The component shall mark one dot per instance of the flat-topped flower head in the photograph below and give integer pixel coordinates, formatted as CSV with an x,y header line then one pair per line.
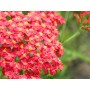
x,y
29,43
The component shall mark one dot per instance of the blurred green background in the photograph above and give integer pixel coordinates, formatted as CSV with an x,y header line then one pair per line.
x,y
76,45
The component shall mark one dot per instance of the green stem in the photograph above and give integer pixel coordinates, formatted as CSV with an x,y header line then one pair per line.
x,y
64,26
70,38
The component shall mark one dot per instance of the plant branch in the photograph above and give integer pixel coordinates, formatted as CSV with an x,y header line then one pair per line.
x,y
64,26
70,38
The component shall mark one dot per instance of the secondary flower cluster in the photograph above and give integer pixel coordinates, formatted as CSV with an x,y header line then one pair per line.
x,y
84,19
29,44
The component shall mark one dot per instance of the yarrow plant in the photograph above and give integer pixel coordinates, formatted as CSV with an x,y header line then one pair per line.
x,y
29,44
84,19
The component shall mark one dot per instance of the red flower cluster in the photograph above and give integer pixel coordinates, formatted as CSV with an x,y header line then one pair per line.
x,y
84,19
28,43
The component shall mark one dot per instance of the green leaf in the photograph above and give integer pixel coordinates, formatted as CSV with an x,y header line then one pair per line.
x,y
37,50
0,45
31,55
17,59
45,76
71,54
25,42
25,12
22,71
8,17
61,74
42,41
7,28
